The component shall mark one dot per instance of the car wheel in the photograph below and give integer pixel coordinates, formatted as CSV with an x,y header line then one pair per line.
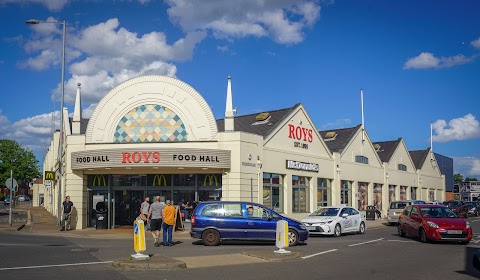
x,y
361,229
423,236
292,237
337,231
400,231
210,237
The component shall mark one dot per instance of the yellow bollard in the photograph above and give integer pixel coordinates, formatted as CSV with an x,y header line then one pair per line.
x,y
139,240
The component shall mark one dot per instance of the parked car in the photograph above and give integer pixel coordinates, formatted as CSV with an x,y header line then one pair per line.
x,y
226,220
433,222
396,209
473,208
458,207
335,221
6,201
22,198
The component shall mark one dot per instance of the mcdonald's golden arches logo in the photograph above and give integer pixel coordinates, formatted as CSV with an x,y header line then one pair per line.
x,y
49,176
99,180
211,179
158,180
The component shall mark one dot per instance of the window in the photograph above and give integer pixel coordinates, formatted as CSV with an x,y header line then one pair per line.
x,y
361,159
300,187
273,191
256,212
232,210
345,197
354,212
407,210
323,192
362,195
403,193
377,195
414,211
402,167
391,193
413,193
211,210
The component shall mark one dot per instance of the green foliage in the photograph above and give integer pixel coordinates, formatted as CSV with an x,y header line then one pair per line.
x,y
457,178
468,179
21,160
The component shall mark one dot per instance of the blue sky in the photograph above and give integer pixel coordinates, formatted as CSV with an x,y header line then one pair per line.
x,y
417,62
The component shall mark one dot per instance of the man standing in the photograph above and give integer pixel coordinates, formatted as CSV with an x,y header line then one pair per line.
x,y
155,218
67,207
144,208
168,223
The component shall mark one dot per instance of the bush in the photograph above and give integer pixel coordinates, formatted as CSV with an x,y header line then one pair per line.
x,y
2,197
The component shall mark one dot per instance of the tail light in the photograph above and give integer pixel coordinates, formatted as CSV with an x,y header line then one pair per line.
x,y
193,220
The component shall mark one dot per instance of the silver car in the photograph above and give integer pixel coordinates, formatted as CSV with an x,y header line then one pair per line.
x,y
396,209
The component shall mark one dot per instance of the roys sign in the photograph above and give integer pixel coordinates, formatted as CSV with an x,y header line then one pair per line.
x,y
184,157
300,133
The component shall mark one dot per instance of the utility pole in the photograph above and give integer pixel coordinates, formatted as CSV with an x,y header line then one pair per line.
x,y
11,198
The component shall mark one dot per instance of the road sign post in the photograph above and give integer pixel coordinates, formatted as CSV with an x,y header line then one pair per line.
x,y
12,185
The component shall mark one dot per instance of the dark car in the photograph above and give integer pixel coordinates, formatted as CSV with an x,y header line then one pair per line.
x,y
458,207
226,220
473,208
433,222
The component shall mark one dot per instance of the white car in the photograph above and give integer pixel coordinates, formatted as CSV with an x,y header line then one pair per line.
x,y
335,220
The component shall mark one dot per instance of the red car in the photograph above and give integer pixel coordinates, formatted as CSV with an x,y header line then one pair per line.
x,y
433,222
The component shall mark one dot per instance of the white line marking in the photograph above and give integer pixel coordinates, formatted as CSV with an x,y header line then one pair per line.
x,y
475,221
321,253
52,265
476,241
366,242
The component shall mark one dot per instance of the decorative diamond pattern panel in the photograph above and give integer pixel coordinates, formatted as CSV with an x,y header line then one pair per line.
x,y
150,123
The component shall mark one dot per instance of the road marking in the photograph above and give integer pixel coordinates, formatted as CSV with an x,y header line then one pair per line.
x,y
351,245
409,241
475,221
52,265
321,253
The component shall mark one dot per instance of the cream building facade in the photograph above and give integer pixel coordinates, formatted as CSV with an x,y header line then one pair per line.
x,y
156,135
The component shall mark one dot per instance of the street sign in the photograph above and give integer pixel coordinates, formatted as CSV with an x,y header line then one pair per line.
x,y
48,185
11,184
50,175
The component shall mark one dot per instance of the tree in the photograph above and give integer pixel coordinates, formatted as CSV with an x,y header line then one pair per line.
x,y
468,179
457,178
21,161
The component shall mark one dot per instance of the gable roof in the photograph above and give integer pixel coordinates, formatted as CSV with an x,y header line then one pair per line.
x,y
342,138
83,125
244,123
387,148
419,157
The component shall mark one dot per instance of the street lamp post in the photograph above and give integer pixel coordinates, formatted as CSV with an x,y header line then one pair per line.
x,y
60,146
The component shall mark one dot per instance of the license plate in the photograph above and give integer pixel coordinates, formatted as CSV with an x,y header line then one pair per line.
x,y
311,228
454,232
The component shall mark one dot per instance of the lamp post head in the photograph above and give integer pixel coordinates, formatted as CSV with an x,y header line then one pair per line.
x,y
32,21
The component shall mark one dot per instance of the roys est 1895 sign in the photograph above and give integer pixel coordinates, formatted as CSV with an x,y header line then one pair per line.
x,y
301,134
185,157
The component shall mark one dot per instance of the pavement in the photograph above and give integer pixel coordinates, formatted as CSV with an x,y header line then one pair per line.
x,y
40,222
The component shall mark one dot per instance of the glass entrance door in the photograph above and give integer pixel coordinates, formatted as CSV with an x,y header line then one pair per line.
x,y
127,206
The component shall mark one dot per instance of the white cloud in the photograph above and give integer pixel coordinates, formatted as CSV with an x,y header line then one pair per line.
x,y
476,43
467,166
105,55
281,20
87,112
52,5
463,128
427,60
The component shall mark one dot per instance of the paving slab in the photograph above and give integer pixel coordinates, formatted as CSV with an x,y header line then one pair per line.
x,y
272,256
219,260
155,263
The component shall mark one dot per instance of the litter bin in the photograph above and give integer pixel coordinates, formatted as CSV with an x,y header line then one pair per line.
x,y
370,215
101,220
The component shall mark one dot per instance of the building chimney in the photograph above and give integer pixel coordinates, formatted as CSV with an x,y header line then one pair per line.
x,y
229,121
77,112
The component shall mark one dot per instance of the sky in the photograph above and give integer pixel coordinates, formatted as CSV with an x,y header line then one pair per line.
x,y
417,62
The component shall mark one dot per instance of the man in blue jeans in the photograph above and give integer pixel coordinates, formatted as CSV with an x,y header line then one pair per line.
x,y
168,223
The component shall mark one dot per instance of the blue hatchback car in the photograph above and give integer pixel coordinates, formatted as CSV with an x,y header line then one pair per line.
x,y
227,220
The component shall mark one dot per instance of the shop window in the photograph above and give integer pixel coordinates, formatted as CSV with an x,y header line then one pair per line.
x,y
431,195
129,180
413,193
150,123
361,159
377,194
300,194
391,193
181,180
273,191
403,193
323,192
159,180
362,196
345,192
97,180
209,187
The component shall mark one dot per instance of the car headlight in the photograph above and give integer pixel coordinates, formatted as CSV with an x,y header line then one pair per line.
x,y
326,222
302,226
432,224
468,225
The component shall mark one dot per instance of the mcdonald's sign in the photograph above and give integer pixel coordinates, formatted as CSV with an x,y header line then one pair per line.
x,y
49,176
210,179
158,180
99,180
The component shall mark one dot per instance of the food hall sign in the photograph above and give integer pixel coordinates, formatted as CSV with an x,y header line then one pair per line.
x,y
114,158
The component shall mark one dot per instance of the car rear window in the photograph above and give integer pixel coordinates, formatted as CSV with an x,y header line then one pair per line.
x,y
211,210
399,204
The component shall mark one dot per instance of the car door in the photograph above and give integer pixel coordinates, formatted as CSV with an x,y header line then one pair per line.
x,y
231,224
356,218
260,224
347,221
414,224
404,219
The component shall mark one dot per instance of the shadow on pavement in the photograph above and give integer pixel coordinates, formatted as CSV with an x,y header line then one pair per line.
x,y
472,262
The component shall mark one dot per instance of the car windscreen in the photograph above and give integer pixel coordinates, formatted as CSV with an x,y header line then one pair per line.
x,y
437,212
326,212
452,203
399,204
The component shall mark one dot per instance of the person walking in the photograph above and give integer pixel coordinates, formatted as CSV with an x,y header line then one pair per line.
x,y
155,218
377,210
67,208
144,209
168,223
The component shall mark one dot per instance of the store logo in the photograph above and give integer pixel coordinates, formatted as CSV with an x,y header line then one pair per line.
x,y
137,157
49,176
159,179
300,133
99,180
297,165
211,178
